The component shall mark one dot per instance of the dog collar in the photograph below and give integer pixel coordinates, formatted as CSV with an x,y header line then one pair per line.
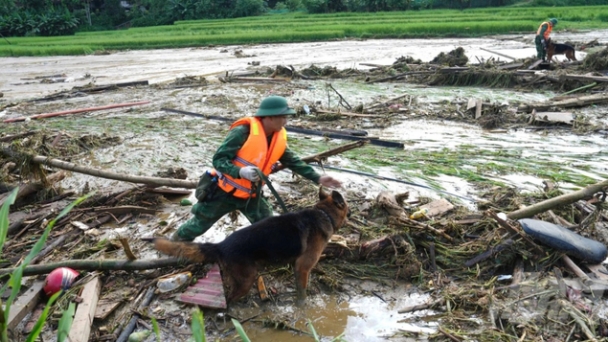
x,y
331,220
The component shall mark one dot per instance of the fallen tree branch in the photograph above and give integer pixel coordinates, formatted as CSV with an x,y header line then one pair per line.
x,y
551,203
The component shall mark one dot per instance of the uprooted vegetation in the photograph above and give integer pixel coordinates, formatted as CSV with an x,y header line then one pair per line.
x,y
458,256
380,241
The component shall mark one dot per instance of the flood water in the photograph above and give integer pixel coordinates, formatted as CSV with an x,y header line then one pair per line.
x,y
155,140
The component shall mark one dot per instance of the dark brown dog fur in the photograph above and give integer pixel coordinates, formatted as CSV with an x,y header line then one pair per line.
x,y
559,49
298,237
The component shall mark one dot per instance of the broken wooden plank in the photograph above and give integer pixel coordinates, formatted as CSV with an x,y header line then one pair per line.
x,y
25,304
510,66
471,104
560,117
498,53
534,65
85,312
478,109
105,307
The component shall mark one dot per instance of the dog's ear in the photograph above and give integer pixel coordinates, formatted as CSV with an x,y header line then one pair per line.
x,y
338,199
322,194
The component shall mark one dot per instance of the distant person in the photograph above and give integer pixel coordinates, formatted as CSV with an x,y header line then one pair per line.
x,y
542,35
253,144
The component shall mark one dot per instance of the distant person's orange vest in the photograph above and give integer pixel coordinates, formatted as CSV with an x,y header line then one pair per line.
x,y
547,32
255,152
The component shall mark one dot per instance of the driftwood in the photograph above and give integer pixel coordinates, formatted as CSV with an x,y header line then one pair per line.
x,y
580,101
584,78
387,101
34,187
551,203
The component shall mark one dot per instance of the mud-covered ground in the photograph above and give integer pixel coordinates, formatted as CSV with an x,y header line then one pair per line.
x,y
153,139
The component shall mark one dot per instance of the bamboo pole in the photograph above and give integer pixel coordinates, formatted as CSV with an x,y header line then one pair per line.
x,y
159,181
93,265
551,203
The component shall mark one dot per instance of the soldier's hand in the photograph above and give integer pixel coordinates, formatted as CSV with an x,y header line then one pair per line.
x,y
330,182
249,173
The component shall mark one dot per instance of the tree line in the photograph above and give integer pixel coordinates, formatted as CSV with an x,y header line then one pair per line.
x,y
65,17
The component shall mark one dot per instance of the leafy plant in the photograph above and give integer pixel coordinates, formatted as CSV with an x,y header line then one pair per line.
x,y
14,281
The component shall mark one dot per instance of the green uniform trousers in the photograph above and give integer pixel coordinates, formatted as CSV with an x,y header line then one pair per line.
x,y
541,53
208,212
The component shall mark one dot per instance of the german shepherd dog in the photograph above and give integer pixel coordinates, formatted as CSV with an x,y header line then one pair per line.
x,y
559,49
298,237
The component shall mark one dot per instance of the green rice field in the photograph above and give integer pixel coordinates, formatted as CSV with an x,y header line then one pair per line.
x,y
300,27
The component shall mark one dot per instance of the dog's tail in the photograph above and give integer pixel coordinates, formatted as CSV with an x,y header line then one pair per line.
x,y
196,252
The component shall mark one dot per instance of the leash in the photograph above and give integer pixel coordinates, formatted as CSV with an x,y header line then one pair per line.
x,y
274,192
394,180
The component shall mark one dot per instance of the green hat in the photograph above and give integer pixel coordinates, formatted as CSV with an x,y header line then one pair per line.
x,y
553,21
274,106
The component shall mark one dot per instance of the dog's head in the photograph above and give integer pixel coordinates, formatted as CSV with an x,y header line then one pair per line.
x,y
334,205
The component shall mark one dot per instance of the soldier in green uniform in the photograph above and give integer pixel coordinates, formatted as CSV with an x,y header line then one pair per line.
x,y
237,174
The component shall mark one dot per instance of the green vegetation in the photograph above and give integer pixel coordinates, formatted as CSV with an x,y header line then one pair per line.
x,y
298,27
14,280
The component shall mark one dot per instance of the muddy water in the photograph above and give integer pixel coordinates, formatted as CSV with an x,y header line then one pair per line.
x,y
155,140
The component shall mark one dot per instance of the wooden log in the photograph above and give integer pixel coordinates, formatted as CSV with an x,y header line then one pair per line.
x,y
580,101
584,78
76,111
85,313
551,203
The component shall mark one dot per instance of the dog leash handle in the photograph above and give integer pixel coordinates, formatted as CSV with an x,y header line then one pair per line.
x,y
274,192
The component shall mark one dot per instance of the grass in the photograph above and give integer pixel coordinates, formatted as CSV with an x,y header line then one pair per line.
x,y
300,27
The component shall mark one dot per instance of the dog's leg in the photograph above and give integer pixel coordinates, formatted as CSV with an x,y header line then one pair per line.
x,y
242,277
304,264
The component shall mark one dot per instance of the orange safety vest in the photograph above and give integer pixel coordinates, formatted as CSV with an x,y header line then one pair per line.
x,y
254,152
547,32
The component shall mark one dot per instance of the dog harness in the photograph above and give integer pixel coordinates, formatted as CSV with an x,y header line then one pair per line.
x,y
254,152
548,30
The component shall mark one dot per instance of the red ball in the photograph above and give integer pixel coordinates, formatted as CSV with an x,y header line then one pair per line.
x,y
59,279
